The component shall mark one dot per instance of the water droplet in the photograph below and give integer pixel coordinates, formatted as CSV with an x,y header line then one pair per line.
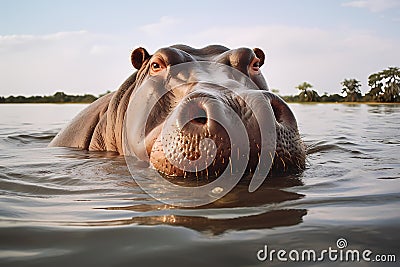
x,y
217,190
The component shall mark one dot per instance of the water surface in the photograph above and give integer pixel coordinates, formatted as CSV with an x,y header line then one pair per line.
x,y
63,206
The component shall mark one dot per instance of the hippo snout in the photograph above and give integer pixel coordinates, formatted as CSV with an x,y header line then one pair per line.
x,y
204,116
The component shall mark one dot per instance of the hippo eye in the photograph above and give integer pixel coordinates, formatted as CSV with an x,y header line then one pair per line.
x,y
157,65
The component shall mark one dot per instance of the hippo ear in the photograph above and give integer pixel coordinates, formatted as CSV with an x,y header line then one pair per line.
x,y
260,55
139,55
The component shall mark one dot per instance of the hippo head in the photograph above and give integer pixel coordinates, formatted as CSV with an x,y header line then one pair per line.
x,y
183,114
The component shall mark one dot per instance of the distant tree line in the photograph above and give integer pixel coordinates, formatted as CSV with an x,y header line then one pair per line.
x,y
385,87
58,97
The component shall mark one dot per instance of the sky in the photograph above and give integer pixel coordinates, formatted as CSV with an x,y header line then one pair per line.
x,y
84,46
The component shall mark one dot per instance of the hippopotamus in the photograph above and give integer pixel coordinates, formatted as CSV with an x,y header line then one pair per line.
x,y
100,126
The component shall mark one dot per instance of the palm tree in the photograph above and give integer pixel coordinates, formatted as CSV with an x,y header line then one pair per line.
x,y
306,93
392,88
376,84
392,74
304,86
352,89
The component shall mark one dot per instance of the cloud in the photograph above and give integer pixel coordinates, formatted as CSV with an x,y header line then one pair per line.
x,y
164,25
14,42
373,5
75,62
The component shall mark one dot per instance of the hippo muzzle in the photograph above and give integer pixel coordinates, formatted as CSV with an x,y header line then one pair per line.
x,y
197,113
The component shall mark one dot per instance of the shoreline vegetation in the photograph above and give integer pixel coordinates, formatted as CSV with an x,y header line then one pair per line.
x,y
384,88
57,98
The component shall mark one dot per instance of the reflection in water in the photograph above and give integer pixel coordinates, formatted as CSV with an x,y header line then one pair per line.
x,y
383,108
266,217
265,220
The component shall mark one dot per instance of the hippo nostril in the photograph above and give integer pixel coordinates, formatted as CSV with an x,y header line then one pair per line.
x,y
192,113
200,116
201,120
